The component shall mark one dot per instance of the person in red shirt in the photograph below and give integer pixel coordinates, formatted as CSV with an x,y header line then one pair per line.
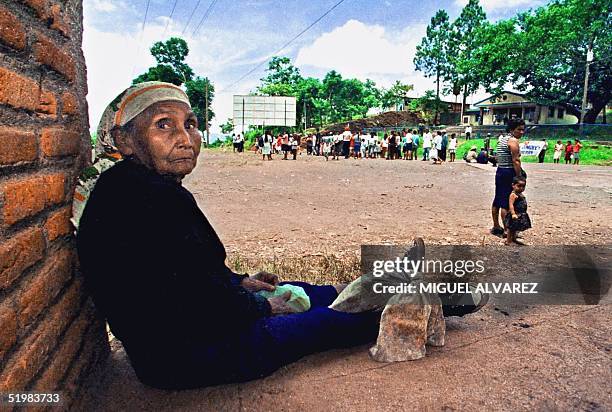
x,y
577,147
569,150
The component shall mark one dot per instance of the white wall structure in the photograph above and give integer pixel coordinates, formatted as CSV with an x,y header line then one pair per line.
x,y
264,111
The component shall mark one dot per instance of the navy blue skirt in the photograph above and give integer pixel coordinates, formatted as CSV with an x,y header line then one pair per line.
x,y
503,187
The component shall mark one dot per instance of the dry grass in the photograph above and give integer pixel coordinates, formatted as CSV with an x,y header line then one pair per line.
x,y
318,269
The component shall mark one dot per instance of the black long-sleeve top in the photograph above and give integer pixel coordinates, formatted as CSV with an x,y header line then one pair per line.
x,y
154,264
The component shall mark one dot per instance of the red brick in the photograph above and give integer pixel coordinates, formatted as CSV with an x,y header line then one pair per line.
x,y
43,289
47,53
58,223
59,142
18,91
58,22
63,358
47,104
19,253
51,14
12,32
8,331
70,104
27,197
17,145
22,92
34,350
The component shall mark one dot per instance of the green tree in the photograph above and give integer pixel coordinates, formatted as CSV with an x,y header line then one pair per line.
x,y
228,126
462,43
196,90
171,67
543,52
432,54
428,106
395,95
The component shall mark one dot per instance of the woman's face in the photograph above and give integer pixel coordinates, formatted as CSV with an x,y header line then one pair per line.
x,y
167,139
518,132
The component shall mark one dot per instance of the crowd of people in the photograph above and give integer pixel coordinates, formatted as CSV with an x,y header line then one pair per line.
x,y
407,144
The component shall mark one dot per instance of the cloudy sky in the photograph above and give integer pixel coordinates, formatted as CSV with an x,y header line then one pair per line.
x,y
373,39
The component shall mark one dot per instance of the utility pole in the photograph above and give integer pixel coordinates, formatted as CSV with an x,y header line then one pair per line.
x,y
589,59
206,112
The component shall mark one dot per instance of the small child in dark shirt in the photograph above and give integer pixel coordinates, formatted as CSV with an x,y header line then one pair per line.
x,y
517,218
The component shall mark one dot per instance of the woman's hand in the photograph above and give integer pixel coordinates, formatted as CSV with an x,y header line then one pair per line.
x,y
279,304
514,216
260,281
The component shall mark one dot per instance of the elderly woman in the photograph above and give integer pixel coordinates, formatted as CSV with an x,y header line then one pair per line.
x,y
156,268
185,319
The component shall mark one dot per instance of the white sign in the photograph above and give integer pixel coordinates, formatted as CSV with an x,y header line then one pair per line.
x,y
531,147
264,110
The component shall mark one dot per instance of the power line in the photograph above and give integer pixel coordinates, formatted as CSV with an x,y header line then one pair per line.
x,y
144,23
206,13
170,17
191,16
284,45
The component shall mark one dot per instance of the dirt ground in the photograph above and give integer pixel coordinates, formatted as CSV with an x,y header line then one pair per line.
x,y
505,357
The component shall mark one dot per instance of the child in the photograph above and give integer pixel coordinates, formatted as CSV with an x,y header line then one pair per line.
x,y
517,219
577,147
326,148
558,150
569,152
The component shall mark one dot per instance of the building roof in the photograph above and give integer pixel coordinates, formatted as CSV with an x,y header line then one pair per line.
x,y
499,94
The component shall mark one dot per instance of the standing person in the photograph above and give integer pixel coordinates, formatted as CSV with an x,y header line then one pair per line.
x,y
266,149
437,146
294,146
317,143
241,142
337,149
391,146
508,166
569,152
452,147
426,144
408,146
357,145
384,146
517,219
286,147
234,143
346,141
543,152
558,151
398,145
327,145
309,145
415,145
576,149
444,146
468,132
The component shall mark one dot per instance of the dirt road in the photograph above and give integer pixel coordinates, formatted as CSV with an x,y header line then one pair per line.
x,y
505,357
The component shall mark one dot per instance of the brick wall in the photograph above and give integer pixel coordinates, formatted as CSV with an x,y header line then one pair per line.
x,y
50,335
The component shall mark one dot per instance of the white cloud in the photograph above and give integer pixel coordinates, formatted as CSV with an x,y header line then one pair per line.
x,y
492,5
359,50
105,6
